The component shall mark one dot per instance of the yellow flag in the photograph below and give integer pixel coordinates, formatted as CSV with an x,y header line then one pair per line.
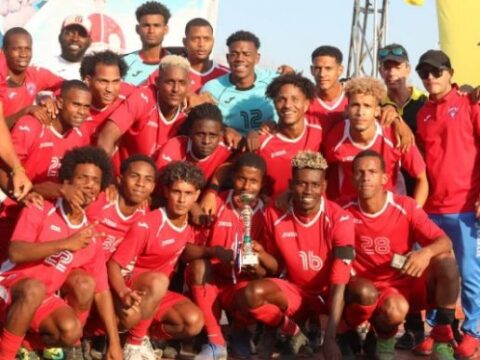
x,y
415,2
460,38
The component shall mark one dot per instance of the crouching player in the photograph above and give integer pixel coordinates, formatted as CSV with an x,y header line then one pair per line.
x,y
313,244
212,274
54,248
390,277
149,253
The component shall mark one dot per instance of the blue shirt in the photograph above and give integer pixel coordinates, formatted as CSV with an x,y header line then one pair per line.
x,y
138,70
243,110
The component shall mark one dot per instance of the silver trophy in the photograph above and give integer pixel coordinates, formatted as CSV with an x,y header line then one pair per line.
x,y
247,256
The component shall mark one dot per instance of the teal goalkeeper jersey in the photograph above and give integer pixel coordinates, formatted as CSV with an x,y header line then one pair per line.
x,y
243,110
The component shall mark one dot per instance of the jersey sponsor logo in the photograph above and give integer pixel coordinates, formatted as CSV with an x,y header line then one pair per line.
x,y
225,223
55,228
166,157
379,245
47,144
229,100
310,261
60,260
344,218
278,153
109,222
452,112
289,234
357,221
152,123
143,225
426,118
24,128
54,167
144,97
136,73
12,95
168,242
348,158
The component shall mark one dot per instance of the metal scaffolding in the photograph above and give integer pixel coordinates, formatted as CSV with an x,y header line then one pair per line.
x,y
368,34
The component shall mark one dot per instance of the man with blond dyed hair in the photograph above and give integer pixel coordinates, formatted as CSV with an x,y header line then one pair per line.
x,y
313,245
361,131
151,115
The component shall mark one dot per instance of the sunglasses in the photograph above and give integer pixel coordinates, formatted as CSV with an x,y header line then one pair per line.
x,y
425,72
383,53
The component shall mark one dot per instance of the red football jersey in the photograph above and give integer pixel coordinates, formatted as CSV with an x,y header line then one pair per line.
x,y
98,116
305,246
50,223
197,79
180,148
112,222
278,152
340,149
37,79
153,243
327,115
41,148
449,131
228,229
392,230
143,125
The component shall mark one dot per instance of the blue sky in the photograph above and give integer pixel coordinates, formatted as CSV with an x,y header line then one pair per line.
x,y
290,29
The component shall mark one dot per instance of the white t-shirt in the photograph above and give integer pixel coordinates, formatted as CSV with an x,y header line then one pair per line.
x,y
61,67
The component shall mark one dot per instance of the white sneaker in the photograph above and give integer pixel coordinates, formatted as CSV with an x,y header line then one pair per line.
x,y
139,352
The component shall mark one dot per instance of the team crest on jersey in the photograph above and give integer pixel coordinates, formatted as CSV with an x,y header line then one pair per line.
x,y
31,88
452,112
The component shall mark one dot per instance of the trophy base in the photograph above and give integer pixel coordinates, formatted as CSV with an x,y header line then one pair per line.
x,y
249,260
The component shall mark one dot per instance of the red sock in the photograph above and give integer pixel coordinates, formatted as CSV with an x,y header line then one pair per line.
x,y
442,333
355,314
205,297
9,345
268,314
138,332
288,326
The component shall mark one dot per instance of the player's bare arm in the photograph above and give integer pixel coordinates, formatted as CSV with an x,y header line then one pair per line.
x,y
24,251
418,261
108,137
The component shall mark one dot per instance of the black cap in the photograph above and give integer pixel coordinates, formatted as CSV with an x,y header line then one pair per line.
x,y
436,58
393,52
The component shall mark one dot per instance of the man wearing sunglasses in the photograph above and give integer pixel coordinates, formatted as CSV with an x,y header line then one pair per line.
x,y
448,127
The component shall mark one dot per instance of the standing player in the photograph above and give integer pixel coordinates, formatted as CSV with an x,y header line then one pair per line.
x,y
203,146
23,82
448,125
151,115
361,131
154,244
152,18
103,73
49,245
241,94
327,108
212,274
386,227
313,244
74,39
291,95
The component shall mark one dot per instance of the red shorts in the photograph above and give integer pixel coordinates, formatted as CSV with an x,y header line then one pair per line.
x,y
300,302
414,290
46,308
